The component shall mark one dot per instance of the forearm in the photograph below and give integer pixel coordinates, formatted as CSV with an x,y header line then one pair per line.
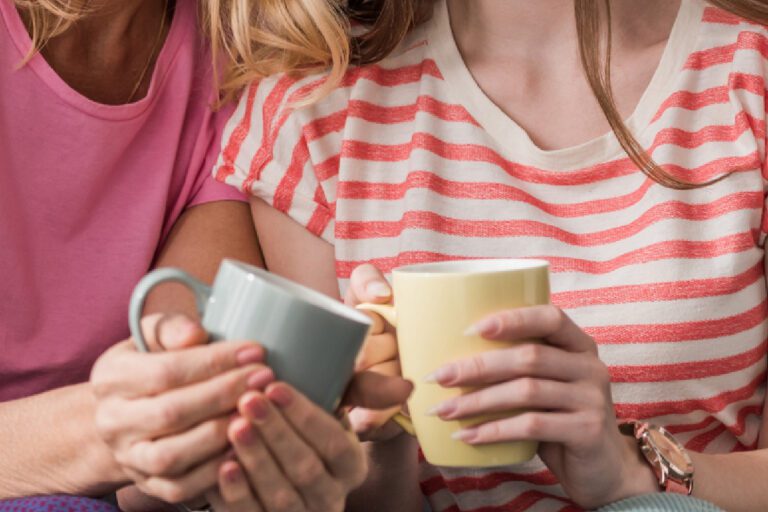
x,y
50,445
392,482
733,481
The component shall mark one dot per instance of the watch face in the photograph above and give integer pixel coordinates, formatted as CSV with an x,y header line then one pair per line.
x,y
671,451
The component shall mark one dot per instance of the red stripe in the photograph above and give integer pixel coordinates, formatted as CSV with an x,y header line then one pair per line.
x,y
683,331
390,77
657,292
715,133
690,370
716,95
701,441
237,137
711,405
737,429
327,169
715,15
724,54
485,482
427,220
676,249
522,501
286,190
478,153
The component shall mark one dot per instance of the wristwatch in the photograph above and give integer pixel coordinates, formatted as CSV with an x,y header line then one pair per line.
x,y
667,457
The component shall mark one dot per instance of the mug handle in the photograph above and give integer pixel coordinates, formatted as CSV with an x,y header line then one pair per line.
x,y
389,314
147,283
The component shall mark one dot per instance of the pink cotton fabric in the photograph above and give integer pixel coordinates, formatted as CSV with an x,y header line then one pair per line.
x,y
88,193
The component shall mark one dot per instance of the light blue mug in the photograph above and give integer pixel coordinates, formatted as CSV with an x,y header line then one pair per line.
x,y
311,340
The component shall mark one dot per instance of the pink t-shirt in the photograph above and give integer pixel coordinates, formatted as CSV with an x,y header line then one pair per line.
x,y
88,193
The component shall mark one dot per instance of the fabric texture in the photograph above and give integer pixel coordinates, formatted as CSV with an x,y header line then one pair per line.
x,y
56,503
661,502
88,193
407,161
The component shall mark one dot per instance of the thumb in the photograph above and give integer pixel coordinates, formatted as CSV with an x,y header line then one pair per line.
x,y
172,332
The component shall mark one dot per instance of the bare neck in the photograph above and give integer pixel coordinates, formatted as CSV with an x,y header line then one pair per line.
x,y
103,55
541,27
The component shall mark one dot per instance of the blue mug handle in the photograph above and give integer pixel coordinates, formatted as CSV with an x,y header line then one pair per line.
x,y
147,283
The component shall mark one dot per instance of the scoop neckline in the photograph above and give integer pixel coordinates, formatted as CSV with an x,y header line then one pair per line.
x,y
182,16
514,139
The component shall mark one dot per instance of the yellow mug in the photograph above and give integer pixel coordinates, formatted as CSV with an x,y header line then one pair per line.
x,y
434,304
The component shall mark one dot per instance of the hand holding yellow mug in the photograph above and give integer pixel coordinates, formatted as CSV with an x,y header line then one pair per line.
x,y
435,303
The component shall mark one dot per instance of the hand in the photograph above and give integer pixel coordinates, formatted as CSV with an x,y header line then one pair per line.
x,y
566,390
289,456
379,354
165,414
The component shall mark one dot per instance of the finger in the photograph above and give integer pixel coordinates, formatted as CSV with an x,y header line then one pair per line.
x,y
525,393
235,491
364,421
525,360
298,460
173,455
180,409
130,374
332,446
546,321
272,488
375,391
174,331
193,484
377,349
367,284
216,502
552,427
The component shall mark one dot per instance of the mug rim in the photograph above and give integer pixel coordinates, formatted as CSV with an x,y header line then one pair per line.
x,y
472,266
298,291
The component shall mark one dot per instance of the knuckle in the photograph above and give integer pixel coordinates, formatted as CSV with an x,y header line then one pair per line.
x,y
168,415
284,500
106,424
529,389
593,425
476,366
159,461
308,472
553,317
530,424
160,375
529,357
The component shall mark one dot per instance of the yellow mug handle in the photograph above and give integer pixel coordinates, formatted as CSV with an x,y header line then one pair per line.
x,y
388,313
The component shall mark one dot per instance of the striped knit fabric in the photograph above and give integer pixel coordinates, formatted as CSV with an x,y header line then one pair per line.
x,y
407,161
661,503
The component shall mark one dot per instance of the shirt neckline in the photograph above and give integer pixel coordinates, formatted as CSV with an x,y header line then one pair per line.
x,y
184,15
514,139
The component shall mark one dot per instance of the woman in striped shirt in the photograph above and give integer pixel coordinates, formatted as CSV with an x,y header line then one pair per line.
x,y
479,135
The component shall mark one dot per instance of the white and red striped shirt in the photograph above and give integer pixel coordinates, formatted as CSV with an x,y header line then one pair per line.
x,y
407,161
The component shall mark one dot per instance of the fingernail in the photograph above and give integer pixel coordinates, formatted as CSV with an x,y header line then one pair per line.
x,y
443,409
466,435
249,355
232,473
260,378
257,409
281,396
443,375
485,327
245,435
378,289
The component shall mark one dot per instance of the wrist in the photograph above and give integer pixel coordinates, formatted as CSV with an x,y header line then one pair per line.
x,y
639,477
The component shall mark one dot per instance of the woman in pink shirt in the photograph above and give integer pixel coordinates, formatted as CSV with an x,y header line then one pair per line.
x,y
107,138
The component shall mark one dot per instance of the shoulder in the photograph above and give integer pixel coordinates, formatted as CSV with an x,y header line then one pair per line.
x,y
278,101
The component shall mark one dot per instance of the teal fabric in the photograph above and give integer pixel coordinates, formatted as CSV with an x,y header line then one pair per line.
x,y
661,502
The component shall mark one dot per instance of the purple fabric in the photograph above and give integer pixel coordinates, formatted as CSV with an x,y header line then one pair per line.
x,y
56,503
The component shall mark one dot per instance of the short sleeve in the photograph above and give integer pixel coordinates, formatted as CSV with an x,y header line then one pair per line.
x,y
286,155
205,189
